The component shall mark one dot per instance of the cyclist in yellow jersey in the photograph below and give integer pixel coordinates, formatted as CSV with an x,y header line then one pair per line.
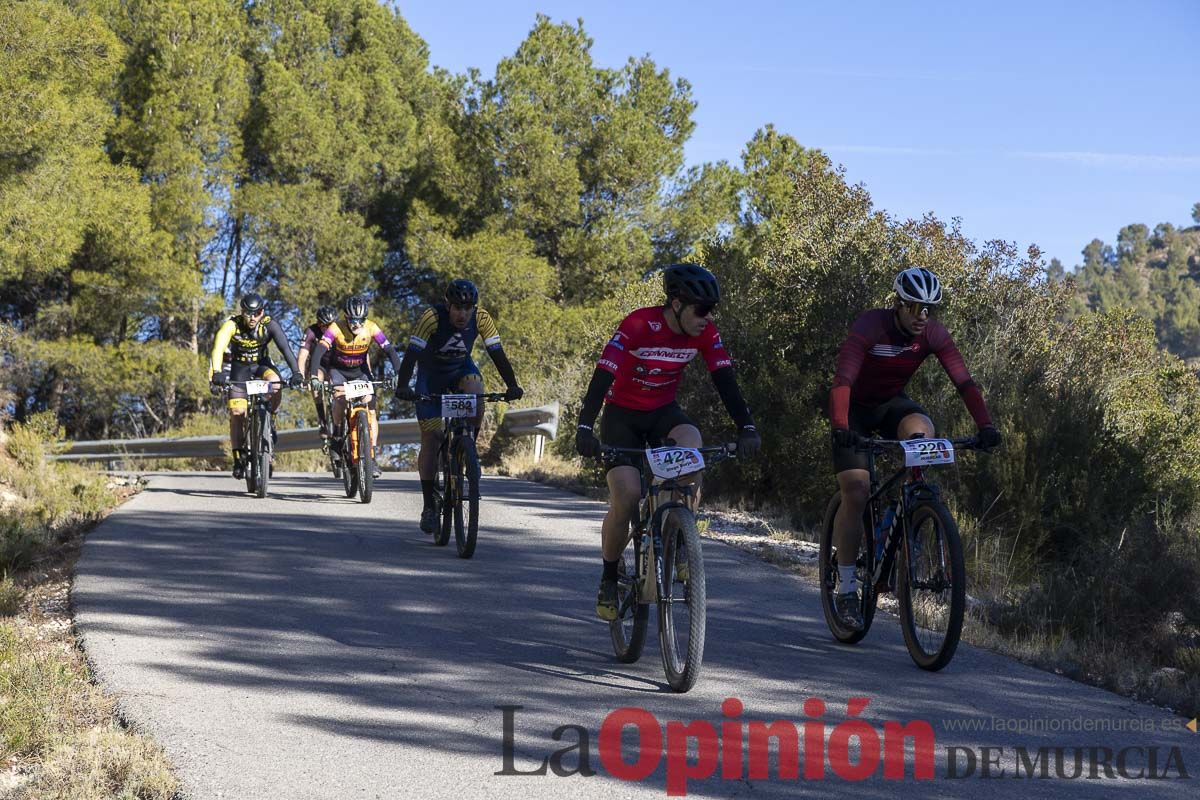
x,y
247,336
349,347
440,349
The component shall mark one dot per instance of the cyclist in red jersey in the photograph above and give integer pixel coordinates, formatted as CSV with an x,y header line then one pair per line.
x,y
638,375
885,348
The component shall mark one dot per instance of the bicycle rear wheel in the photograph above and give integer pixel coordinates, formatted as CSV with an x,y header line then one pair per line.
x,y
933,593
865,563
366,461
349,472
682,605
466,510
628,630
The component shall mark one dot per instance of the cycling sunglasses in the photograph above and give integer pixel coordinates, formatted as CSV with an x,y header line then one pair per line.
x,y
702,310
916,308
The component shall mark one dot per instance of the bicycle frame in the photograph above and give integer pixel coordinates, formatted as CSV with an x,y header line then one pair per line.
x,y
652,510
354,407
915,488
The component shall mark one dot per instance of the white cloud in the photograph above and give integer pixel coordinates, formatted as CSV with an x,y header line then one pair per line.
x,y
1123,160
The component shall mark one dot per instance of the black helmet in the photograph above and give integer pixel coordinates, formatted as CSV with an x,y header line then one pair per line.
x,y
356,309
253,303
462,293
326,315
692,284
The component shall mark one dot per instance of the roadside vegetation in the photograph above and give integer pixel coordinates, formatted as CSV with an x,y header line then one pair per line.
x,y
60,737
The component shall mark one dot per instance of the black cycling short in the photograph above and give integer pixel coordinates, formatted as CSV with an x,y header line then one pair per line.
x,y
242,371
340,375
624,427
883,419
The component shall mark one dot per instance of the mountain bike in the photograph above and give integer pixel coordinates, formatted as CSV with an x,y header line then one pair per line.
x,y
257,436
458,469
663,562
354,452
910,547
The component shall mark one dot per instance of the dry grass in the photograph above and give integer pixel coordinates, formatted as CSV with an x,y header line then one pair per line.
x,y
59,734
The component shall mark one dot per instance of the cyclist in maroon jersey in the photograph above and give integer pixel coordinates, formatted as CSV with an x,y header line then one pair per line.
x,y
638,374
885,348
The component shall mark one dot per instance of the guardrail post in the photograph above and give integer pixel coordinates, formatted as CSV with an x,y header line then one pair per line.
x,y
539,447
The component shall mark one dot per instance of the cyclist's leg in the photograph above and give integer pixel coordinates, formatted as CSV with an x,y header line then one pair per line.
x,y
268,373
238,374
915,425
429,417
470,381
620,427
624,492
672,423
337,378
318,401
854,483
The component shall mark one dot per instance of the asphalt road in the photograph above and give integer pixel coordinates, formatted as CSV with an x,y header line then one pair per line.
x,y
308,646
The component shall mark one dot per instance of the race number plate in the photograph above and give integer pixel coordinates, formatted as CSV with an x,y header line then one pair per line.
x,y
672,462
355,389
928,452
458,405
257,387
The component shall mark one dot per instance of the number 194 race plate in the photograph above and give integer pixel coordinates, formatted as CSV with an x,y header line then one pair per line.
x,y
355,389
458,405
672,462
928,452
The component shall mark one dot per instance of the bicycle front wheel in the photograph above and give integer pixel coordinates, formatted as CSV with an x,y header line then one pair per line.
x,y
450,490
682,601
366,461
466,510
264,452
828,559
628,630
932,586
250,451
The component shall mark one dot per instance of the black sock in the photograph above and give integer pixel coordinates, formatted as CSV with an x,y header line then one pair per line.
x,y
610,569
428,488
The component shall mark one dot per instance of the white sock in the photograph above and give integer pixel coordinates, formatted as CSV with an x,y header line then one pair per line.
x,y
849,580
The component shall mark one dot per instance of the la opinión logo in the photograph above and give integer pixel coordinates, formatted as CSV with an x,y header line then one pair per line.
x,y
738,748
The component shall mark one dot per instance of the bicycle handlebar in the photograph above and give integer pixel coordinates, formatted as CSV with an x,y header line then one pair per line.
x,y
721,451
487,397
884,445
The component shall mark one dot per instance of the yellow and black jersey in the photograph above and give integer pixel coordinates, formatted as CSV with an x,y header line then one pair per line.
x,y
248,344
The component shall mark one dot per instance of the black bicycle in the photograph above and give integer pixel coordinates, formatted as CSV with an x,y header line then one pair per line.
x,y
257,438
663,562
458,469
910,546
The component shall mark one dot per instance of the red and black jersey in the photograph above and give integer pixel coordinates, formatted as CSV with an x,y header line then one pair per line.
x,y
648,359
878,359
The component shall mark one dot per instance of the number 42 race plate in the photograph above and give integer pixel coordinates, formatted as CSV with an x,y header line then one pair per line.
x,y
928,452
672,462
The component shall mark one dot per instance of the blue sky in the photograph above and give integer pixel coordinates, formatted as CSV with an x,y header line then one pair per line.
x,y
1050,123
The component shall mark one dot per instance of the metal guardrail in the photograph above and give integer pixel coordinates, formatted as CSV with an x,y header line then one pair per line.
x,y
539,422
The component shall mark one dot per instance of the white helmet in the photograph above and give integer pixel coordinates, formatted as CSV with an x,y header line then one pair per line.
x,y
918,285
